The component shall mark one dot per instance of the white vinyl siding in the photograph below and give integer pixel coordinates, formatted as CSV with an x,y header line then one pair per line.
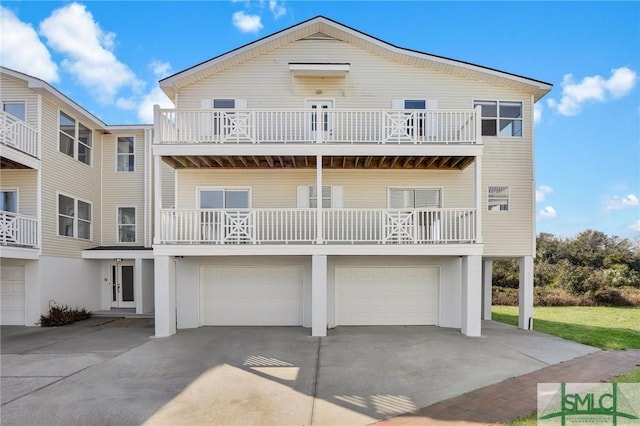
x,y
122,189
65,175
357,188
17,92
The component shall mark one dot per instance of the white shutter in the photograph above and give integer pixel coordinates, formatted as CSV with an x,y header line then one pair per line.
x,y
205,104
431,123
432,104
303,197
336,197
241,104
397,104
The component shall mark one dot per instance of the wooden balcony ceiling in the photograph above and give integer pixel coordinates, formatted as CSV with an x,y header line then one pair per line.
x,y
6,164
329,162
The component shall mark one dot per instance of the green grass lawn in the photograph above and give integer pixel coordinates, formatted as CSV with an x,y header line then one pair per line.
x,y
604,327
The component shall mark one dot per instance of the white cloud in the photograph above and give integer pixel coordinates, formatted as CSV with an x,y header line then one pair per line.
x,y
619,203
277,8
594,88
23,50
160,69
635,226
547,213
88,50
247,23
542,192
537,113
155,97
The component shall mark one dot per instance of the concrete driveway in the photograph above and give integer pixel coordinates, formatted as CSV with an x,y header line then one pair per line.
x,y
105,372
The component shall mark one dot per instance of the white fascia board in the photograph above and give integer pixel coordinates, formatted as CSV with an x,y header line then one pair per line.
x,y
129,127
319,69
19,157
117,254
311,249
319,149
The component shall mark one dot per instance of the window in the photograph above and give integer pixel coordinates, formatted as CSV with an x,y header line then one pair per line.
x,y
126,224
17,109
9,201
224,103
498,199
126,155
75,139
224,199
415,198
326,197
501,118
74,218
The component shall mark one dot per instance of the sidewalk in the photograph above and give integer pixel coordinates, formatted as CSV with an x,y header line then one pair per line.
x,y
516,397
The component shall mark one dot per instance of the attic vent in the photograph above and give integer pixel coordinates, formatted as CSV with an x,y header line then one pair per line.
x,y
319,36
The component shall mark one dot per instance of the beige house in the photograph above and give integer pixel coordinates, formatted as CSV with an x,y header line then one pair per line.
x,y
316,177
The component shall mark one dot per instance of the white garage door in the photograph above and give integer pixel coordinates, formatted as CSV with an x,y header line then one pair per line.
x,y
387,295
248,295
12,295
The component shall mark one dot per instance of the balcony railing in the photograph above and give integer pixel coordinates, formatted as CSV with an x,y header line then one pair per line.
x,y
18,230
334,126
18,134
340,226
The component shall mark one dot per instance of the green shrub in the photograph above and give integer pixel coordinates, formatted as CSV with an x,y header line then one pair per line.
x,y
62,316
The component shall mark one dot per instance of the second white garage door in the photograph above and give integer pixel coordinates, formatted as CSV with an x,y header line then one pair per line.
x,y
247,295
387,295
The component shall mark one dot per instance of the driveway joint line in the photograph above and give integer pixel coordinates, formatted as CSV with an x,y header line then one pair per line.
x,y
315,381
44,386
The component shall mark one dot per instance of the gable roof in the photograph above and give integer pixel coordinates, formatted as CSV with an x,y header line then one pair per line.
x,y
321,26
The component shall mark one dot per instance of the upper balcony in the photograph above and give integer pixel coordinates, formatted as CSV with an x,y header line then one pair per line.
x,y
19,144
318,126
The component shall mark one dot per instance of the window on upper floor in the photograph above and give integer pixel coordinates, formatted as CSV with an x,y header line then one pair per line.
x,y
501,118
224,103
126,154
75,139
74,218
498,198
126,224
16,108
9,201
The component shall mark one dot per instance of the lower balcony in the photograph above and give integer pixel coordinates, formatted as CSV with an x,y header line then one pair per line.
x,y
300,226
18,235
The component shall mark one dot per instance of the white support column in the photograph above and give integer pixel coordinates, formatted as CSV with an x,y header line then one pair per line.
x,y
525,293
487,283
157,199
165,296
319,295
471,296
137,284
479,192
319,225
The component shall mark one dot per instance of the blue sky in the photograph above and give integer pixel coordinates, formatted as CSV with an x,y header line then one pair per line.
x,y
108,57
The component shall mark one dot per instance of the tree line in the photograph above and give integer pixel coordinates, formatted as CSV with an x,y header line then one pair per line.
x,y
590,268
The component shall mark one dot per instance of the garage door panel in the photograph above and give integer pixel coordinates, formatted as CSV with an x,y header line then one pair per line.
x,y
12,295
386,295
248,295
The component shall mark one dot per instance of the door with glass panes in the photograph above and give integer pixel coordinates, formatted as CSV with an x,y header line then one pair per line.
x,y
323,116
122,286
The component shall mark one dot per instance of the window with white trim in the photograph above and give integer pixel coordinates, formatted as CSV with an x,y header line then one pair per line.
x,y
501,118
9,201
331,197
74,218
126,224
126,153
16,108
75,139
326,197
224,198
498,198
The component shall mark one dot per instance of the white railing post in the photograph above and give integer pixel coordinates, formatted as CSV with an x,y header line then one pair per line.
x,y
478,122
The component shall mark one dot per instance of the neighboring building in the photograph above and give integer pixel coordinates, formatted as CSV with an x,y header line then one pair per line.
x,y
316,177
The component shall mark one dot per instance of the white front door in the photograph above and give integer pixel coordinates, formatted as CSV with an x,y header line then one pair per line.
x,y
122,288
323,106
